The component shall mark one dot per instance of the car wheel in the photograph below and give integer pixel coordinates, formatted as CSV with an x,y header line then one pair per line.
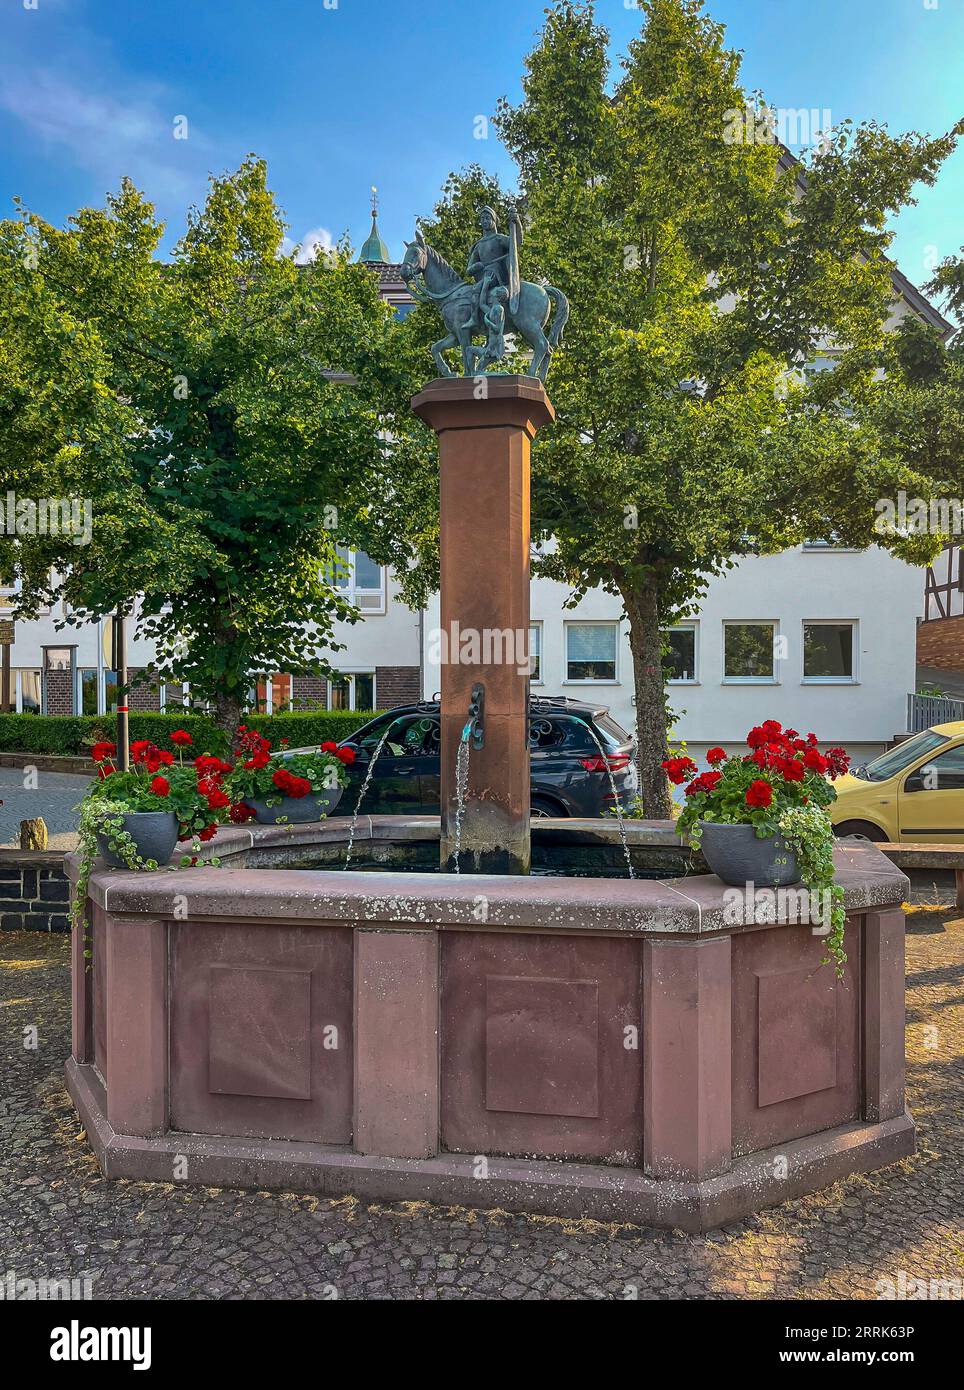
x,y
542,808
860,827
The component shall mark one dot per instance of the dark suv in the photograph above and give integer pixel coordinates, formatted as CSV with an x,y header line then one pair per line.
x,y
570,776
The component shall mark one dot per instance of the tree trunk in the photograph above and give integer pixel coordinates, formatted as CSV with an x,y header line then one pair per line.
x,y
646,645
227,714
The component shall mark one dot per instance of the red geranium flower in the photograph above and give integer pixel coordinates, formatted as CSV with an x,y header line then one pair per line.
x,y
716,755
793,770
241,812
181,737
160,786
100,751
329,747
346,755
678,770
208,833
759,793
218,799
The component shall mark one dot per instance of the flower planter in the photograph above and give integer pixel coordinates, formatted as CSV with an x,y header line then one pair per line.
x,y
154,834
738,856
292,810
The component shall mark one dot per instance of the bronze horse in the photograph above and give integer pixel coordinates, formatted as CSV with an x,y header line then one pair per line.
x,y
432,280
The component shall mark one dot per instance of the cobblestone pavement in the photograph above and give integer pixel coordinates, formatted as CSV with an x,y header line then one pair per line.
x,y
59,1218
54,797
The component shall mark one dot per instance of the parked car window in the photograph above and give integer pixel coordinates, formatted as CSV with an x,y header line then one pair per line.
x,y
896,759
943,773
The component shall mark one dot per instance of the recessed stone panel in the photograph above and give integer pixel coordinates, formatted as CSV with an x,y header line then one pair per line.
x,y
261,1030
541,1053
542,1045
797,1022
258,1033
796,1036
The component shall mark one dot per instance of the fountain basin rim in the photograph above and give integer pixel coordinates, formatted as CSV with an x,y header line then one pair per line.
x,y
694,905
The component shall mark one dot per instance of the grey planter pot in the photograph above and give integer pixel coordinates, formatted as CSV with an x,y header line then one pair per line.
x,y
153,832
737,856
296,810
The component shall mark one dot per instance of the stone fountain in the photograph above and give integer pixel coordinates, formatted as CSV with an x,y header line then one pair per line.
x,y
603,1047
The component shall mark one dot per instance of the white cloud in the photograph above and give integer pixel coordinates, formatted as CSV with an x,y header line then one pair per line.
x,y
105,136
319,239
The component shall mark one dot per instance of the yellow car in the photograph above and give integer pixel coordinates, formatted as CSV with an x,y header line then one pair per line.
x,y
912,792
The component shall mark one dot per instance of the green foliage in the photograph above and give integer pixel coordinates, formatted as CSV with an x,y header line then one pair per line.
x,y
703,273
310,728
807,830
74,736
193,401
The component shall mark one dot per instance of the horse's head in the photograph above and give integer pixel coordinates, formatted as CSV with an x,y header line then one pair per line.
x,y
415,258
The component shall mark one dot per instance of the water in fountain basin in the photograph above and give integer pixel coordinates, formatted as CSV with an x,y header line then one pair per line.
x,y
616,802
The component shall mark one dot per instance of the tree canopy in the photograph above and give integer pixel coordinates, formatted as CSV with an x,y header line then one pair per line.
x,y
228,413
704,272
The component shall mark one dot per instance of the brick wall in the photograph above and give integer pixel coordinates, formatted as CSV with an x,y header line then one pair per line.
x,y
145,696
397,685
309,692
60,692
34,892
941,644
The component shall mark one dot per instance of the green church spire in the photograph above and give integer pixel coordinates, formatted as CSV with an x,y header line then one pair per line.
x,y
375,250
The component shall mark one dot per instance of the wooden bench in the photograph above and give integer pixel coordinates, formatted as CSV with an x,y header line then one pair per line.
x,y
913,856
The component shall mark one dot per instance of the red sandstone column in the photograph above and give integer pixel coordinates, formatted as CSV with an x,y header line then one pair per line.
x,y
883,1014
686,1058
485,427
396,1043
137,1066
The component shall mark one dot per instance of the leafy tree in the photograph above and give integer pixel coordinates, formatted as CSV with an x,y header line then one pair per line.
x,y
227,411
704,271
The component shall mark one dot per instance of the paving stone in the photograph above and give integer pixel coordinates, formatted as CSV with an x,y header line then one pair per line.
x,y
59,1218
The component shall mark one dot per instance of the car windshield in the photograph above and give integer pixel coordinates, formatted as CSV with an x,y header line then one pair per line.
x,y
896,759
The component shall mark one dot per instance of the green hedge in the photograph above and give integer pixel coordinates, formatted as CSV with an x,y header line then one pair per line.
x,y
75,735
305,728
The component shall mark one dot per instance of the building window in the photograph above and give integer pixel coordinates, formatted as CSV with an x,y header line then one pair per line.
x,y
748,651
28,684
679,663
361,580
535,653
87,691
591,651
110,692
352,690
829,652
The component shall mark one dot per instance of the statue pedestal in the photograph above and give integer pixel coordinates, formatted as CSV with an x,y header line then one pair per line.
x,y
485,427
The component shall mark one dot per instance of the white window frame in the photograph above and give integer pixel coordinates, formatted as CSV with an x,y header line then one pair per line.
x,y
694,627
538,628
350,676
351,590
773,678
854,625
591,622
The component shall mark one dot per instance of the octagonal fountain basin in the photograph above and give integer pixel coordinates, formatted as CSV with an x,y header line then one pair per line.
x,y
651,1050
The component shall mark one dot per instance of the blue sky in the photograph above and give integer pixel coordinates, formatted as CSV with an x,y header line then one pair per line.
x,y
341,94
